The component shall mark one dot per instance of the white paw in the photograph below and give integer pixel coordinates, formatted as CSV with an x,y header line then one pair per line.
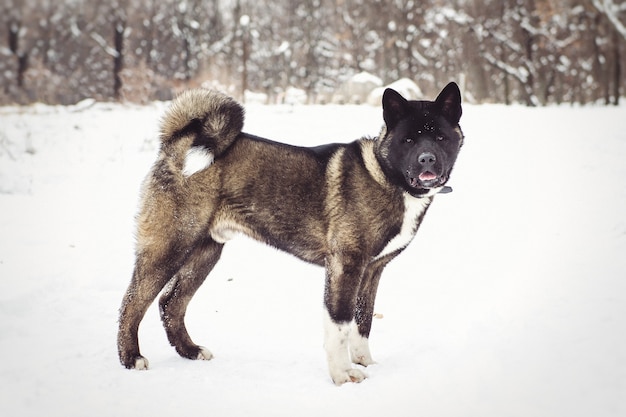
x,y
349,375
359,348
204,354
141,364
363,360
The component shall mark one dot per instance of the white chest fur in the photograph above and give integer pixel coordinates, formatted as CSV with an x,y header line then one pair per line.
x,y
413,209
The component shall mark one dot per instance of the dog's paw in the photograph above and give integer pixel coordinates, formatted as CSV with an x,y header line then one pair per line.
x,y
359,349
349,375
141,364
365,360
204,354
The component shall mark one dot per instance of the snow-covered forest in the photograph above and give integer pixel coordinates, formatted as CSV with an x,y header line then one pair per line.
x,y
507,51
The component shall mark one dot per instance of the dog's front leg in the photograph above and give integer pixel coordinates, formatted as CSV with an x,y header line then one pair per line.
x,y
364,311
336,338
341,287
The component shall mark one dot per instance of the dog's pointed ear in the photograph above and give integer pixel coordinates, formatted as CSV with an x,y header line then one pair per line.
x,y
394,107
449,102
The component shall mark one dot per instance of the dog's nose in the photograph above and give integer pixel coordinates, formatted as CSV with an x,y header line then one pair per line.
x,y
427,159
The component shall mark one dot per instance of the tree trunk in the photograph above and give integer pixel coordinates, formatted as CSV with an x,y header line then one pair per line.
x,y
14,28
118,59
617,71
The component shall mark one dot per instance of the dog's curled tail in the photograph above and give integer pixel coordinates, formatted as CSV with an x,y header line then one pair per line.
x,y
198,127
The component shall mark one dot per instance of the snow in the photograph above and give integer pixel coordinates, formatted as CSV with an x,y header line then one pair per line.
x,y
404,86
365,77
510,301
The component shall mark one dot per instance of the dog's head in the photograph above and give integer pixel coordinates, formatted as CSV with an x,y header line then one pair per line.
x,y
421,140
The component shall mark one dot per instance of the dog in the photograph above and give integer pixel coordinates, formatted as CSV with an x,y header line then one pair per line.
x,y
350,208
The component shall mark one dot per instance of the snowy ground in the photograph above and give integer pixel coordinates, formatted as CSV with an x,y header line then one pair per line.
x,y
511,301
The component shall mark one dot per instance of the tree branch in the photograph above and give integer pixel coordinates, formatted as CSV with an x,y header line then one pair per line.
x,y
611,10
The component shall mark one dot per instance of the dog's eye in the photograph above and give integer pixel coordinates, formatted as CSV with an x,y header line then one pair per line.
x,y
439,137
408,140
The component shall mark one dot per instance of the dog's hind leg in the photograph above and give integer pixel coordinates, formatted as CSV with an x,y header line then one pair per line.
x,y
359,336
148,280
179,291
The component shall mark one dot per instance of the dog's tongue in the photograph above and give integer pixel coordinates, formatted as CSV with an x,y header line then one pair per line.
x,y
427,176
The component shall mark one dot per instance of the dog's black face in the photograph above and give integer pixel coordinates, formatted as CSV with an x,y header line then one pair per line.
x,y
423,139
